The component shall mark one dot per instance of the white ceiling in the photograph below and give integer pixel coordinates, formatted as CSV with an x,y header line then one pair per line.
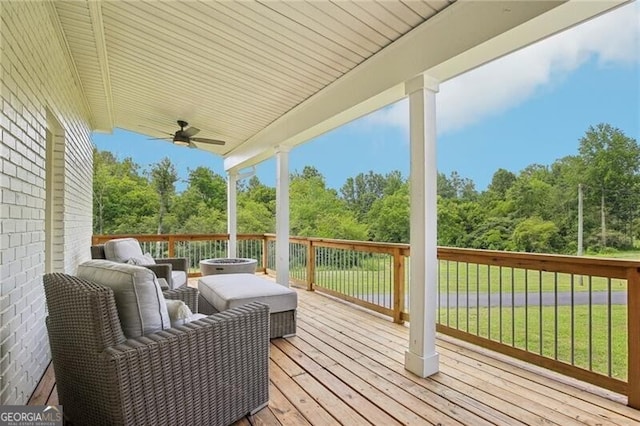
x,y
262,74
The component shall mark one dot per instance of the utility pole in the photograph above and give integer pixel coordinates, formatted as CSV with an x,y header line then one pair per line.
x,y
580,220
602,219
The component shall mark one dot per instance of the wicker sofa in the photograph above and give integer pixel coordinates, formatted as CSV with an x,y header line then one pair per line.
x,y
211,371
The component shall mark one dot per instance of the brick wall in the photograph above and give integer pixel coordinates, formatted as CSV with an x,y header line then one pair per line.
x,y
38,94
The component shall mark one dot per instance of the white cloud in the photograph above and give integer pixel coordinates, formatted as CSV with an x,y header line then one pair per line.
x,y
613,38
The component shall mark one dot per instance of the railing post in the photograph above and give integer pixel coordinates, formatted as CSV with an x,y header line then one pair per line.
x,y
311,264
398,285
172,249
265,257
633,338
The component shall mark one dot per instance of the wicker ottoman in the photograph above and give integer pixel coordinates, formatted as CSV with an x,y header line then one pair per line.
x,y
222,292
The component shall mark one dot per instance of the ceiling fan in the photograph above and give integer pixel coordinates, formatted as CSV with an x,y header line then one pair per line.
x,y
186,137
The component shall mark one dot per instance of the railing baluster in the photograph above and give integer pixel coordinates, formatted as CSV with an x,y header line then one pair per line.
x,y
573,320
438,292
447,295
609,306
526,310
513,309
458,295
467,285
489,303
477,299
590,318
555,316
500,303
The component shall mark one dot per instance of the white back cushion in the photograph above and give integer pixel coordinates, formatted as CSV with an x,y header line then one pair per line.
x,y
122,249
139,300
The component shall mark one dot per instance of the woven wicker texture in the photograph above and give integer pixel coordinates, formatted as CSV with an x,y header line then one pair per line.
x,y
188,295
208,372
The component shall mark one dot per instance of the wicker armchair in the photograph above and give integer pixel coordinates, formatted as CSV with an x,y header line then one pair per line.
x,y
163,268
209,372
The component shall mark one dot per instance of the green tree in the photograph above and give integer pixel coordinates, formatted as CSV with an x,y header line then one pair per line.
x,y
389,217
316,211
501,182
260,194
612,171
255,217
123,200
455,186
530,196
362,191
163,178
210,186
536,235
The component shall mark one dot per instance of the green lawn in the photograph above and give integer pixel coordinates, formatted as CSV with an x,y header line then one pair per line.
x,y
632,255
514,327
458,277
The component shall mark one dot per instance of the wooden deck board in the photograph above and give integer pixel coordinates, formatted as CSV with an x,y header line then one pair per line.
x,y
345,366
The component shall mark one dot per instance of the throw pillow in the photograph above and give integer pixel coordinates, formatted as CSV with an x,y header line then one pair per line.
x,y
179,312
145,259
122,249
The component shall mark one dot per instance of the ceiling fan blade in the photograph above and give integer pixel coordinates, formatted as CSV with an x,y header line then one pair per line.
x,y
158,139
191,131
211,141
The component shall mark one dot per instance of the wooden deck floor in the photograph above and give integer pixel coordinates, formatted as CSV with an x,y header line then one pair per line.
x,y
345,366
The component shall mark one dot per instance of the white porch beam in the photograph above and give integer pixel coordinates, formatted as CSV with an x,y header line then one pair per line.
x,y
422,358
232,214
97,24
282,215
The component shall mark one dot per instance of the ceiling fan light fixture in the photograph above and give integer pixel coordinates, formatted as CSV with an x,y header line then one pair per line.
x,y
181,140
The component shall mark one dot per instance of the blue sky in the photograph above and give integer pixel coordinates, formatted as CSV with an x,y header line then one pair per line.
x,y
532,106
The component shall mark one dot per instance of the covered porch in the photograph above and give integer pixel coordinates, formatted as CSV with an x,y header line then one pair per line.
x,y
69,68
334,373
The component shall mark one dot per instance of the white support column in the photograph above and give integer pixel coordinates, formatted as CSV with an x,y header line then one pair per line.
x,y
232,214
422,358
282,216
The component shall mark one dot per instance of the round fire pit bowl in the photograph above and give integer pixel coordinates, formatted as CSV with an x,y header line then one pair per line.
x,y
228,265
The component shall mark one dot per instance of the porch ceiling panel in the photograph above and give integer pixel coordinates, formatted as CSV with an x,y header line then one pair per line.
x,y
228,68
258,74
83,39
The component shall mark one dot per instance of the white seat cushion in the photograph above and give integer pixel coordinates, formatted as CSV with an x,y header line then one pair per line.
x,y
139,300
231,290
178,278
122,249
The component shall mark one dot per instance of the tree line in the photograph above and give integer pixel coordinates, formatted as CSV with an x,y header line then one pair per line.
x,y
535,210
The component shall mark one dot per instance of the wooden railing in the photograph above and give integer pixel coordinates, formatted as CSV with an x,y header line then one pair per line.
x,y
195,246
574,315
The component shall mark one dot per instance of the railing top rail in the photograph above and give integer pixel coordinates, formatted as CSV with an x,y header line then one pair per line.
x,y
320,241
96,239
596,266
